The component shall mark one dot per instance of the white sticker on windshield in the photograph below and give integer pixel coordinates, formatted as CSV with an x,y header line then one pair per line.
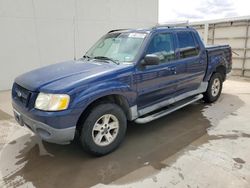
x,y
137,35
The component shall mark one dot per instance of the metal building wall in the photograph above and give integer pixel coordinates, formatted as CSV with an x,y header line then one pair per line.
x,y
35,33
234,32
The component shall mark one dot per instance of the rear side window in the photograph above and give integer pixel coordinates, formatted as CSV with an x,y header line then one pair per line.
x,y
162,44
187,45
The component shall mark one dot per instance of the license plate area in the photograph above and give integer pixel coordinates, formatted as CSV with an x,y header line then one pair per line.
x,y
18,117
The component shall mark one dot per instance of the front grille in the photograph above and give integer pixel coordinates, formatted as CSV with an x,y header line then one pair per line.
x,y
21,94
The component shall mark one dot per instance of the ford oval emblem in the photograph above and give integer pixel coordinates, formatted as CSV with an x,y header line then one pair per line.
x,y
19,94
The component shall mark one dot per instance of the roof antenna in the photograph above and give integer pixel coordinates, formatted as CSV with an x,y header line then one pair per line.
x,y
74,25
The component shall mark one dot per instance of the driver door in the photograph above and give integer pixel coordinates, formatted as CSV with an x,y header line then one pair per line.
x,y
156,83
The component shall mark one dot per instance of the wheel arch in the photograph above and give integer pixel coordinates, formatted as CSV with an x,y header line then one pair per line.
x,y
217,65
222,70
118,99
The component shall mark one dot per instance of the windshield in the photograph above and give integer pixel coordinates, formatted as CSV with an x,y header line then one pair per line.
x,y
121,47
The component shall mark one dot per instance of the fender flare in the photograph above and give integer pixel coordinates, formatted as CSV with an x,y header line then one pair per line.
x,y
216,61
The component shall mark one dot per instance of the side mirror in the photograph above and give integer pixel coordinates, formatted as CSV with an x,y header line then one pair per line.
x,y
151,59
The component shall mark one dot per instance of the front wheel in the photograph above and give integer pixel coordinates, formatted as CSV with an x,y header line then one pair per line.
x,y
214,88
104,129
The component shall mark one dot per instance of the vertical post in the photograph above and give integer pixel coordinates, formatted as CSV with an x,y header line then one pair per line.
x,y
74,37
206,27
213,34
245,49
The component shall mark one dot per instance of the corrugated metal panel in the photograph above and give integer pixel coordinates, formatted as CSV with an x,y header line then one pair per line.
x,y
234,32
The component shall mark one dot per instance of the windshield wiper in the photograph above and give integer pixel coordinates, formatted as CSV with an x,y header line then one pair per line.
x,y
86,56
106,58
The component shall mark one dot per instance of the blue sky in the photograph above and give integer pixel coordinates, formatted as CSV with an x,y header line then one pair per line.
x,y
196,10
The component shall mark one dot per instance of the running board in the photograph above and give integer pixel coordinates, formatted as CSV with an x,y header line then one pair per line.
x,y
176,106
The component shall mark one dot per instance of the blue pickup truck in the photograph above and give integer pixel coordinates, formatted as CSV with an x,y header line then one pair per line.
x,y
128,75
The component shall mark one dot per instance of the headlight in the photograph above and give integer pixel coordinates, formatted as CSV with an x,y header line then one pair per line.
x,y
52,102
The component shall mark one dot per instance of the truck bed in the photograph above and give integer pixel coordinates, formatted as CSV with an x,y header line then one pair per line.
x,y
214,51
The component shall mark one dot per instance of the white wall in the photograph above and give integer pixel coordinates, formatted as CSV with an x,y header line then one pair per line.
x,y
35,33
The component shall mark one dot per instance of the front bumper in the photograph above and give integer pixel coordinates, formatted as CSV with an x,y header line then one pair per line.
x,y
46,132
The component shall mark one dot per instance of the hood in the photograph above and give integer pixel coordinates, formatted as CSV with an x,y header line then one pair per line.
x,y
41,77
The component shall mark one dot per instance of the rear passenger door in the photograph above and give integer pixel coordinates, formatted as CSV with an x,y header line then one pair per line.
x,y
194,60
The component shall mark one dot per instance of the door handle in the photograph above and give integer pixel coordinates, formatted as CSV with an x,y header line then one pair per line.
x,y
172,69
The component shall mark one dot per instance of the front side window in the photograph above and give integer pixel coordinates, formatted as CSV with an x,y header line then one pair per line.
x,y
162,45
122,47
187,45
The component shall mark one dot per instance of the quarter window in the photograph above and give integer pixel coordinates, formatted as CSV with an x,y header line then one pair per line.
x,y
162,45
187,45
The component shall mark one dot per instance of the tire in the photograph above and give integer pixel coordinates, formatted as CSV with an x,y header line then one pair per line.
x,y
214,88
104,129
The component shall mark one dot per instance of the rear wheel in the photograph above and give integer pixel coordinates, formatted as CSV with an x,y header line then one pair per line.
x,y
104,129
214,88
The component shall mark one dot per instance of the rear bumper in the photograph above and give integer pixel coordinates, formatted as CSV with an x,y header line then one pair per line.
x,y
46,132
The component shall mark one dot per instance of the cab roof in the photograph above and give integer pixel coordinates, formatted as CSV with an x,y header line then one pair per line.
x,y
154,29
